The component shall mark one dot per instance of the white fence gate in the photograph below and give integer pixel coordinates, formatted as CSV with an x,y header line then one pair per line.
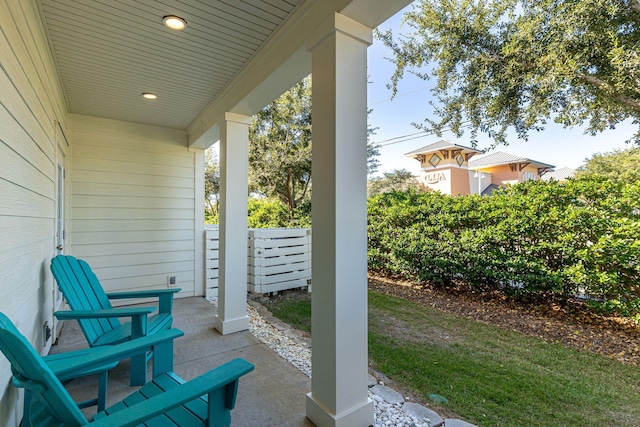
x,y
278,259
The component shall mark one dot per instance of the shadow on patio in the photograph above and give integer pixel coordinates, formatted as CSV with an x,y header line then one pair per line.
x,y
272,395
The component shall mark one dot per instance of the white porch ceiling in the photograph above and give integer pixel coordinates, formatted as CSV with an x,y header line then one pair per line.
x,y
234,55
108,52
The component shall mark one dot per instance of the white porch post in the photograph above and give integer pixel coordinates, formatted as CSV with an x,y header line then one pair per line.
x,y
232,289
339,254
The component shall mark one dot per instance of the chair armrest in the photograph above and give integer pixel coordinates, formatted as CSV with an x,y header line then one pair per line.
x,y
142,294
104,355
64,365
165,297
98,314
160,404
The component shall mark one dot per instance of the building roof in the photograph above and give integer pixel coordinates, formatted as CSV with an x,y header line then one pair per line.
x,y
490,190
501,158
440,145
559,174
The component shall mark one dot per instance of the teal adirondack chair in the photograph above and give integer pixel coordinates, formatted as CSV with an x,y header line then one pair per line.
x,y
204,401
99,321
65,366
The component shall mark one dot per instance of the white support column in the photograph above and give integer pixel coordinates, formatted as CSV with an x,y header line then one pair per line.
x,y
339,253
232,290
199,251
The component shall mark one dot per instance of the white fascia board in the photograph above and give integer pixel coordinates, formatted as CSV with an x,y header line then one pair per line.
x,y
373,12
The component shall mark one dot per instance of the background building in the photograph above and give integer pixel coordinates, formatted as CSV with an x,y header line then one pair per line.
x,y
559,175
449,168
445,167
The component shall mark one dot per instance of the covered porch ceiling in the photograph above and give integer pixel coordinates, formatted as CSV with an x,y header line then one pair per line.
x,y
233,56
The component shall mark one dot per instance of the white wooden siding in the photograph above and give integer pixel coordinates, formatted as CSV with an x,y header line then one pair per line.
x,y
31,103
133,204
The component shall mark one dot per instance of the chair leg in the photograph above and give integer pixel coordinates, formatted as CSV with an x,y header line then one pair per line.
x,y
102,390
101,400
26,421
162,358
138,375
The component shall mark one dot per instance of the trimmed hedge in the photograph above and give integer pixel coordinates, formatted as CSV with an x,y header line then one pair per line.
x,y
537,237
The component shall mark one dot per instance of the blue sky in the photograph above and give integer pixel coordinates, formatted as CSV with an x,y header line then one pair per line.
x,y
555,145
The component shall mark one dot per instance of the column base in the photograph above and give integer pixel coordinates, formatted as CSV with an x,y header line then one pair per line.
x,y
359,416
226,327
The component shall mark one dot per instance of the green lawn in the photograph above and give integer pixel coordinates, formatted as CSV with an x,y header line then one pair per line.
x,y
489,376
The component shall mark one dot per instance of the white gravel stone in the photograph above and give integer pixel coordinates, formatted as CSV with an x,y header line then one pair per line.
x,y
387,394
422,412
371,380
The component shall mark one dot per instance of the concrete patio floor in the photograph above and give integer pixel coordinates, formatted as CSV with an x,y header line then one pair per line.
x,y
272,395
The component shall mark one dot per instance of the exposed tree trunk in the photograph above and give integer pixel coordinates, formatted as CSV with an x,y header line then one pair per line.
x,y
290,195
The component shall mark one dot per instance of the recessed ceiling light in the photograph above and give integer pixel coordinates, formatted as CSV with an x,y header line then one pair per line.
x,y
174,22
148,95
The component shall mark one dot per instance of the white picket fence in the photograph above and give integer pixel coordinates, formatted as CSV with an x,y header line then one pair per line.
x,y
278,259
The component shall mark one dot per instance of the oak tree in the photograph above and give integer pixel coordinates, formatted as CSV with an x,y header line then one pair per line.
x,y
211,186
517,64
280,148
618,165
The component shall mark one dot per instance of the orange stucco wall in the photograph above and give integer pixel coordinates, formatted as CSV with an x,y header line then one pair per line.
x,y
459,181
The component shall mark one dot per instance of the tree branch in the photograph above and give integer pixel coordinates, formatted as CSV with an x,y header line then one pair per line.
x,y
601,84
635,5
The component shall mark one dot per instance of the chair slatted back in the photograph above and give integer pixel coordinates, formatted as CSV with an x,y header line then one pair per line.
x,y
50,402
83,291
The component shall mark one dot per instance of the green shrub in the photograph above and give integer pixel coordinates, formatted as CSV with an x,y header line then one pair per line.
x,y
267,213
272,213
534,238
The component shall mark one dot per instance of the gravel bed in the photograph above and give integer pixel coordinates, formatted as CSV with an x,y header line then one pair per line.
x,y
299,355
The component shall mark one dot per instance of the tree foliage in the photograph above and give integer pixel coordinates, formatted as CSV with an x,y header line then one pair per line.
x,y
618,165
373,150
533,238
280,147
272,213
211,187
396,180
516,64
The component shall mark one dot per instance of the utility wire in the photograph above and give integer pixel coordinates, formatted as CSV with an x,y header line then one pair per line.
x,y
412,136
399,137
401,95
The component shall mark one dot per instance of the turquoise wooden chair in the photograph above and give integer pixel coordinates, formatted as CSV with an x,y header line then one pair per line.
x,y
99,322
64,367
204,401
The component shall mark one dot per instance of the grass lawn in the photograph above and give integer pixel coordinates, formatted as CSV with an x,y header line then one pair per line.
x,y
490,377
